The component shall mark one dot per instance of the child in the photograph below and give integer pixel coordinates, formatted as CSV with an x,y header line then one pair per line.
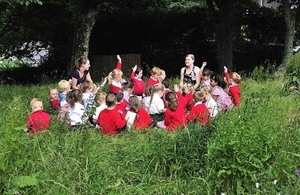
x,y
219,95
162,75
210,103
188,92
121,103
166,83
38,120
87,89
138,118
136,79
111,122
199,113
155,74
116,84
64,88
153,103
76,111
234,81
174,115
54,100
128,88
102,106
205,75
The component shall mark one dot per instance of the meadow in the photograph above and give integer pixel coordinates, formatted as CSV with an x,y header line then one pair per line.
x,y
254,149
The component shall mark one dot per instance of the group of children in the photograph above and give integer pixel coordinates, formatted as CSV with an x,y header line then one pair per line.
x,y
135,104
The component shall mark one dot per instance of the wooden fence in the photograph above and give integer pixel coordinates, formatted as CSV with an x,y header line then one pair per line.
x,y
101,65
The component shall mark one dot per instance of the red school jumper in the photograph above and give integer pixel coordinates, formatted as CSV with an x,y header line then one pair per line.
x,y
55,103
199,114
38,121
176,119
121,106
139,85
234,92
142,119
110,122
190,102
151,81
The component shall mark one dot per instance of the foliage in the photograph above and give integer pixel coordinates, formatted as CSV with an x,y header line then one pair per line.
x,y
256,143
263,72
292,84
9,64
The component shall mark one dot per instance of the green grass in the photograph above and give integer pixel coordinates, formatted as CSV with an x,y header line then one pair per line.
x,y
257,143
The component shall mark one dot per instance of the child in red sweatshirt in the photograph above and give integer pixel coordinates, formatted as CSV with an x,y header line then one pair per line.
x,y
199,113
136,79
38,120
138,117
234,81
110,121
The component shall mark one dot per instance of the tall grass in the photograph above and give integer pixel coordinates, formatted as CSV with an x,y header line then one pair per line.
x,y
257,143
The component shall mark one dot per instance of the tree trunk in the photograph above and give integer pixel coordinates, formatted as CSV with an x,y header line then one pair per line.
x,y
225,33
289,17
86,19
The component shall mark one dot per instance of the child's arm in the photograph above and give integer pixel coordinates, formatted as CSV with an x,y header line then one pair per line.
x,y
133,73
119,63
226,74
202,68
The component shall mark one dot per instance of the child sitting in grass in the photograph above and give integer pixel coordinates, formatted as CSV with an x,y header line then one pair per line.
x,y
136,78
111,122
64,88
101,105
76,111
234,81
155,76
199,113
38,120
138,118
54,100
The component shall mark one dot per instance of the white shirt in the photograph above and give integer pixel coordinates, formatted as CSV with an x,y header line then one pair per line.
x,y
211,104
76,114
98,110
156,104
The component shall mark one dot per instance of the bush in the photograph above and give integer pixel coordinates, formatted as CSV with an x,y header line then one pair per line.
x,y
292,84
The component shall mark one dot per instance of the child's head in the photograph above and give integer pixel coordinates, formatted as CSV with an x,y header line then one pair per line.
x,y
159,89
199,96
134,103
74,96
110,100
101,98
36,104
162,75
87,86
119,96
138,72
216,79
188,88
116,75
64,86
235,77
156,72
128,86
172,100
206,90
53,93
206,74
166,82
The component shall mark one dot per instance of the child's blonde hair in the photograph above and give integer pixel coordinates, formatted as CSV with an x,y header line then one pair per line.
x,y
156,71
235,77
36,104
52,89
206,89
199,96
101,97
154,88
64,85
86,85
116,72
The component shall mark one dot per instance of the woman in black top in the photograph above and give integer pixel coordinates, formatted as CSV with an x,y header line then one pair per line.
x,y
190,73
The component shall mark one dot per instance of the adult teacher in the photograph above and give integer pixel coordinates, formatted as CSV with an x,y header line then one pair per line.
x,y
81,72
190,73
